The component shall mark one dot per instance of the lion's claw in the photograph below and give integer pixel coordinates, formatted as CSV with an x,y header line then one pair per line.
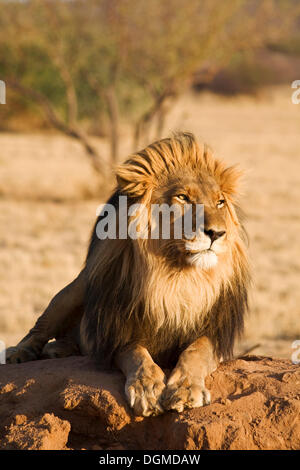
x,y
143,391
184,394
18,354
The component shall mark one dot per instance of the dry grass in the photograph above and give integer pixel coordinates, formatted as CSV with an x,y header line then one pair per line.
x,y
46,210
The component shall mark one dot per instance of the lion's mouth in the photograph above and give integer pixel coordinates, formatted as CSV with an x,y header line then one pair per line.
x,y
202,258
197,247
196,252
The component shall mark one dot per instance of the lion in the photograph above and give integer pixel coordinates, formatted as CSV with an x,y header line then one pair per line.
x,y
146,305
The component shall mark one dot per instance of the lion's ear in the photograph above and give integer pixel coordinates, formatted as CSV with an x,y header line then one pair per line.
x,y
133,177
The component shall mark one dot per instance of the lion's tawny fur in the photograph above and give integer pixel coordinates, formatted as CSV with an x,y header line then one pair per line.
x,y
136,295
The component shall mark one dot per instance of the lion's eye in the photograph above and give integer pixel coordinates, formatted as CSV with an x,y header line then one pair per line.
x,y
220,203
182,197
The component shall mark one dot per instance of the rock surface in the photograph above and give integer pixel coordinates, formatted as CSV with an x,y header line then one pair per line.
x,y
69,404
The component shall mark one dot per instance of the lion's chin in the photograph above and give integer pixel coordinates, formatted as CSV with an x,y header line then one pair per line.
x,y
205,259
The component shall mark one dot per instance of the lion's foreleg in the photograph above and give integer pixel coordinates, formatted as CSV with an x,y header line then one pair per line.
x,y
145,380
185,387
64,310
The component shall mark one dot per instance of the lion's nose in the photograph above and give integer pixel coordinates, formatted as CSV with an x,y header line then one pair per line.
x,y
213,234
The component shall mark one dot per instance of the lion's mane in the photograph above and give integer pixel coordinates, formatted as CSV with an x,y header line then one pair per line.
x,y
135,297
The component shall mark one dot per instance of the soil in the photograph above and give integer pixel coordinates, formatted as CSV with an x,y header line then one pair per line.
x,y
71,404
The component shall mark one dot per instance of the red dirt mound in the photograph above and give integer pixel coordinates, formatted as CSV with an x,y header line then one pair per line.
x,y
69,404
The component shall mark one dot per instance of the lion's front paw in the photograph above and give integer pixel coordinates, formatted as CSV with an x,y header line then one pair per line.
x,y
144,388
184,391
17,354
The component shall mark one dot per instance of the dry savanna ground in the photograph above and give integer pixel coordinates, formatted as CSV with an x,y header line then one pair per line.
x,y
49,196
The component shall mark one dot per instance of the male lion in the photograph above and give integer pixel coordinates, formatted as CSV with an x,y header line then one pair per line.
x,y
142,304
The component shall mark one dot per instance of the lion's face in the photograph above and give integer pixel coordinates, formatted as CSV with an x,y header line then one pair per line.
x,y
203,245
182,175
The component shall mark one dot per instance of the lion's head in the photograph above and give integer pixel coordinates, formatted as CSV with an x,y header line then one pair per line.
x,y
179,173
166,291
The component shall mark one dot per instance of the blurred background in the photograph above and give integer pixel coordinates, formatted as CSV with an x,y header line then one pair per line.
x,y
90,81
